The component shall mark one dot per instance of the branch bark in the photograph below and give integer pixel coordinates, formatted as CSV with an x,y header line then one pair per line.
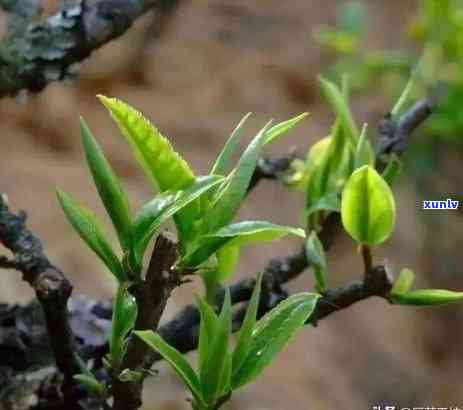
x,y
37,53
51,288
151,295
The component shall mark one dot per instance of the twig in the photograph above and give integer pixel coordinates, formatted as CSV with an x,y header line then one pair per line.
x,y
41,52
51,288
151,295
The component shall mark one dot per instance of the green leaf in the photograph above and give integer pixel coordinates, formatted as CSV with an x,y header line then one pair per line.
x,y
165,168
238,234
162,207
316,257
329,202
282,128
225,382
427,297
91,383
364,154
207,330
214,365
272,333
228,258
404,97
108,186
230,200
244,340
223,160
404,282
175,359
123,320
392,170
340,106
89,228
368,207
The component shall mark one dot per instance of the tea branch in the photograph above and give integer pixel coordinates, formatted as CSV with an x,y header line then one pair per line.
x,y
51,287
35,53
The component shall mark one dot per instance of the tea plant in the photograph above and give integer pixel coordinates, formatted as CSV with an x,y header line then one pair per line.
x,y
345,183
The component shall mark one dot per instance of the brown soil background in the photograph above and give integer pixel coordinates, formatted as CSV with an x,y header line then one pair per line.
x,y
213,62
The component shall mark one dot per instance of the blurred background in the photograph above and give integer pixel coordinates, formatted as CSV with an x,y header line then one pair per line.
x,y
194,72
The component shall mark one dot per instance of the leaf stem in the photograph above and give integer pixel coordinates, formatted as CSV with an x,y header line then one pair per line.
x,y
367,257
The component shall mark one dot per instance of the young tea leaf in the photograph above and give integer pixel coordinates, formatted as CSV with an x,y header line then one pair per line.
x,y
165,168
123,320
272,333
238,234
368,207
224,210
427,297
316,257
108,186
175,359
223,160
404,282
244,340
207,330
91,383
392,170
364,154
164,206
89,228
341,108
214,365
278,130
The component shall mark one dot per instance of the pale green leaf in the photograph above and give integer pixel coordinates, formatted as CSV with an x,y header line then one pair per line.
x,y
108,186
90,230
368,207
364,154
404,282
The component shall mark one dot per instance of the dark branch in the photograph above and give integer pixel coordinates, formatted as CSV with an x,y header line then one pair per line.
x,y
51,288
40,52
151,295
395,133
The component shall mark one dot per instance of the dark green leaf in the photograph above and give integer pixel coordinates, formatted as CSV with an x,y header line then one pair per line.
x,y
123,321
207,330
108,186
392,170
272,333
214,365
245,336
175,359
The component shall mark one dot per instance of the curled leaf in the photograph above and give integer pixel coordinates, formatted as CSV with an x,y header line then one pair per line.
x,y
367,207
